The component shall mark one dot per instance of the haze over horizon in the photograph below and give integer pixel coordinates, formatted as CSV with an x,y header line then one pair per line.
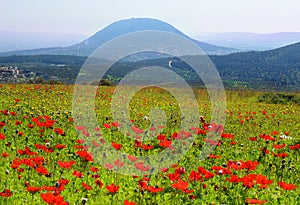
x,y
35,24
193,17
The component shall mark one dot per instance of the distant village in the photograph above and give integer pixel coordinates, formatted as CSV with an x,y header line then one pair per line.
x,y
11,74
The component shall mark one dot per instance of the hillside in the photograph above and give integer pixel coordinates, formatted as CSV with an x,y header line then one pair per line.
x,y
88,46
277,69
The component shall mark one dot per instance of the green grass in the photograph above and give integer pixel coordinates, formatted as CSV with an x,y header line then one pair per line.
x,y
245,117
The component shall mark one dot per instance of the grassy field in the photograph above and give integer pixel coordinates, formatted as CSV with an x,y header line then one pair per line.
x,y
50,158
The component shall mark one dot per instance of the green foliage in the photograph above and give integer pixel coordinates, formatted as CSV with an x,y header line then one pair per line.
x,y
278,98
103,82
276,70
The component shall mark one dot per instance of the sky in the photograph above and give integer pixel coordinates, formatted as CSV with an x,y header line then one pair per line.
x,y
192,17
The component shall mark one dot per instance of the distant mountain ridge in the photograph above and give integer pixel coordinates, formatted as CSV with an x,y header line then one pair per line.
x,y
251,41
20,40
277,69
88,46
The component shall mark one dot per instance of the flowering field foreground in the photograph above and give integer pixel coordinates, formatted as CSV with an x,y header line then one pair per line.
x,y
45,158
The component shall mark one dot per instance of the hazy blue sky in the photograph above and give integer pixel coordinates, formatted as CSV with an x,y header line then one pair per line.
x,y
190,16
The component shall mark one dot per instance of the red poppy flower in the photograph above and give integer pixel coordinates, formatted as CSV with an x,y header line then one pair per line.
x,y
6,193
173,177
33,189
141,166
85,155
194,176
180,184
265,150
180,170
132,158
118,163
4,154
148,147
106,125
161,137
77,174
2,137
59,131
286,186
165,143
255,201
66,165
112,188
116,146
279,146
50,198
126,202
297,146
233,179
85,186
281,155
42,170
212,156
60,146
115,124
153,189
30,126
109,166
221,170
227,136
137,130
18,123
94,169
164,169
99,183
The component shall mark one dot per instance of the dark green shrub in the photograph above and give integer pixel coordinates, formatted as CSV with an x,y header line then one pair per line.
x,y
278,98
